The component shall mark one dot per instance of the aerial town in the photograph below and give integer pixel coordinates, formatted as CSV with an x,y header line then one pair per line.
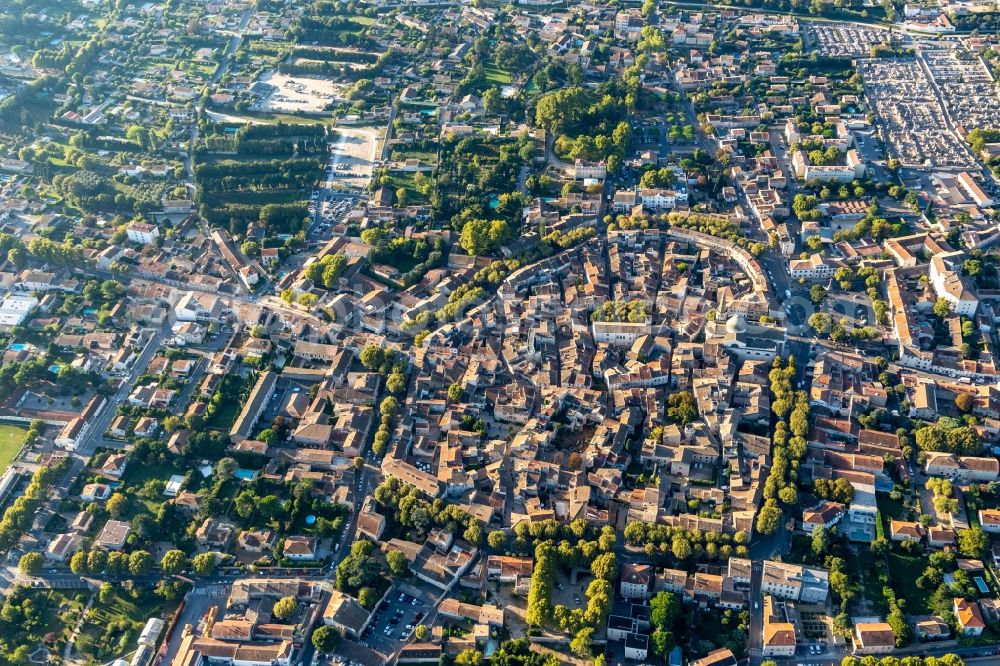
x,y
539,333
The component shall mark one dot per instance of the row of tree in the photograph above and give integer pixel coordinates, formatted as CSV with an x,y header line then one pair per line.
x,y
787,451
18,516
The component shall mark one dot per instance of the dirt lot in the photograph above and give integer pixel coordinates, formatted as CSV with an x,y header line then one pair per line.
x,y
296,93
514,605
353,156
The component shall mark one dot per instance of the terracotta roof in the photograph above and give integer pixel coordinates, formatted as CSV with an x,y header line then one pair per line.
x,y
968,614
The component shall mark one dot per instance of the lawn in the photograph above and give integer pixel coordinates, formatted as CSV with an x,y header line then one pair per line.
x,y
863,562
495,75
11,439
137,475
892,509
903,572
406,181
224,415
425,156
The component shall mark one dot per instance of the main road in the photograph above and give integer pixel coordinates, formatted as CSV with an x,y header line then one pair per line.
x,y
100,423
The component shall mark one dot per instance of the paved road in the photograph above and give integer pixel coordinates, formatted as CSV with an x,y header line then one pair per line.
x,y
101,422
756,637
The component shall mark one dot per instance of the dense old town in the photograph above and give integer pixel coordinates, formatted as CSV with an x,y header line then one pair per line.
x,y
529,333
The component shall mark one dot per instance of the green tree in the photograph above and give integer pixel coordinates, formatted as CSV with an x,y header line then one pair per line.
x,y
245,503
497,539
680,547
820,541
664,609
973,542
580,645
398,564
662,642
116,505
372,357
173,562
139,562
226,468
389,407
112,290
203,564
769,518
78,563
682,408
481,237
285,607
325,639
368,597
396,384
821,322
605,566
21,655
469,657
942,308
474,533
106,594
30,564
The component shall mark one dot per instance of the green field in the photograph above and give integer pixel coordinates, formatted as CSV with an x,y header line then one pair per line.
x,y
11,438
893,509
224,416
407,182
904,571
496,75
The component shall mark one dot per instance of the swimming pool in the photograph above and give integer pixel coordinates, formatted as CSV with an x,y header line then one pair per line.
x,y
18,346
245,474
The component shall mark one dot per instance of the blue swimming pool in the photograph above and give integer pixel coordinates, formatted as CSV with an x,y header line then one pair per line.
x,y
245,474
18,346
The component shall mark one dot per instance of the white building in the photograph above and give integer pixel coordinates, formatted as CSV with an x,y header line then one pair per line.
x,y
583,170
656,200
198,307
636,647
629,24
795,582
636,581
813,268
15,309
140,232
852,169
989,520
950,285
618,333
